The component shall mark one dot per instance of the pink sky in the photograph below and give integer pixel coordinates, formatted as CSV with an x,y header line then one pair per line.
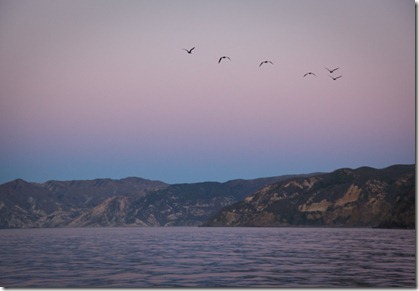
x,y
95,89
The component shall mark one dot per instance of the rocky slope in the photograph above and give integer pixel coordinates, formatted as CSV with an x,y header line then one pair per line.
x,y
363,197
56,203
125,202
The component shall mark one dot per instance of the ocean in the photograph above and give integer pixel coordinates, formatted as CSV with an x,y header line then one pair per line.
x,y
207,257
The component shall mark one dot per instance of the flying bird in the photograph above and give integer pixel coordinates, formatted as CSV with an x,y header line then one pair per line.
x,y
265,62
189,51
334,79
309,73
223,57
331,71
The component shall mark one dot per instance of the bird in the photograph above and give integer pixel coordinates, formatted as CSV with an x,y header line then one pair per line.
x,y
334,79
223,57
189,51
309,73
331,71
265,62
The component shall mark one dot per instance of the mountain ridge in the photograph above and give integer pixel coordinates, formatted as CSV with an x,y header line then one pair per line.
x,y
361,197
31,204
76,203
135,201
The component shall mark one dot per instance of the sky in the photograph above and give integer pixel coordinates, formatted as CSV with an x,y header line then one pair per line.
x,y
104,89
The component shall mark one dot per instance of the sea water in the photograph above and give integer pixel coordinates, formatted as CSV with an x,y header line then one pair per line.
x,y
207,257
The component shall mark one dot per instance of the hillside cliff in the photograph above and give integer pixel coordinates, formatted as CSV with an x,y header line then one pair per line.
x,y
363,197
125,202
57,203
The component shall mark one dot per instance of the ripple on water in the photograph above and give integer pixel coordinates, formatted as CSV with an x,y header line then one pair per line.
x,y
207,257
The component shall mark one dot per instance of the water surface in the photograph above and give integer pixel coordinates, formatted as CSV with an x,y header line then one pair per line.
x,y
207,257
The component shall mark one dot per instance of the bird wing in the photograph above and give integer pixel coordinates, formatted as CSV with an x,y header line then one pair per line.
x,y
228,58
338,77
305,74
314,74
220,59
192,48
334,70
271,62
261,64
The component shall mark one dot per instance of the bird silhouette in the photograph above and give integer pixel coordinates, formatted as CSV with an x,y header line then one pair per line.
x,y
309,73
189,51
334,79
223,57
331,71
265,62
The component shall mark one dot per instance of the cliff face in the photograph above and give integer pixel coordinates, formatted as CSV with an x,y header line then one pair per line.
x,y
125,202
364,197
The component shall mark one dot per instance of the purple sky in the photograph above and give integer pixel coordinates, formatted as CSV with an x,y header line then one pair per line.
x,y
102,89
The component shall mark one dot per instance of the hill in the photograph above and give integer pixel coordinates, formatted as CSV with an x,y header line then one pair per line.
x,y
126,202
363,197
56,203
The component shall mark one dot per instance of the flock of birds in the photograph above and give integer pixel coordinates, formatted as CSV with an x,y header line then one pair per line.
x,y
269,62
